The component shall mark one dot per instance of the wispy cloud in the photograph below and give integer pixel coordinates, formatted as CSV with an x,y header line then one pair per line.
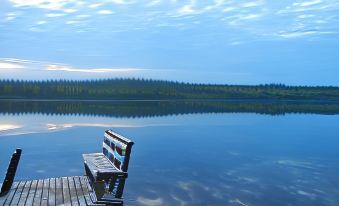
x,y
105,12
12,63
95,5
256,18
55,14
308,3
54,67
9,65
252,4
301,33
44,4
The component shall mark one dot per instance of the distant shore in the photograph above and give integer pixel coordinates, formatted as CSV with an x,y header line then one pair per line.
x,y
154,90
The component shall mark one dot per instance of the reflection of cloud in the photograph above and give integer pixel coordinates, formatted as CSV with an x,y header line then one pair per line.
x,y
293,163
237,201
150,202
309,195
64,126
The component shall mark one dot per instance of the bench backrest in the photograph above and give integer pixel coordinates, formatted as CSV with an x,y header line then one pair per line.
x,y
117,149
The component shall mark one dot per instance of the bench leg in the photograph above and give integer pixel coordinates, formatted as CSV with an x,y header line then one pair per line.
x,y
99,189
120,188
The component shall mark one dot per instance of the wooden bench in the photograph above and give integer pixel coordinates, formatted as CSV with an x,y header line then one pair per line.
x,y
107,171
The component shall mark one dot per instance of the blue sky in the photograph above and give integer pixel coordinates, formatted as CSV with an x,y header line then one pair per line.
x,y
220,41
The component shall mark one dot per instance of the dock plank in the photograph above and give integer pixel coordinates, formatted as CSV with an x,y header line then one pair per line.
x,y
74,198
52,192
80,193
25,192
11,193
18,193
31,194
71,191
45,190
59,198
38,193
66,192
85,190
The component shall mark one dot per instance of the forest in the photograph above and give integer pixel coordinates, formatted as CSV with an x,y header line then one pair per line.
x,y
145,89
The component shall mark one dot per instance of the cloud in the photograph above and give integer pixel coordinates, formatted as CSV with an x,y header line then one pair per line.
x,y
73,22
228,9
94,5
82,16
296,34
12,63
70,10
41,22
308,3
105,12
55,67
8,65
119,1
43,4
252,4
6,127
186,10
153,3
55,14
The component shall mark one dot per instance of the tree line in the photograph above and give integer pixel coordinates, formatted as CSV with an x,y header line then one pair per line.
x,y
146,89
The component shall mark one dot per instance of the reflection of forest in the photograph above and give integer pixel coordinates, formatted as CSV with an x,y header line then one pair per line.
x,y
162,108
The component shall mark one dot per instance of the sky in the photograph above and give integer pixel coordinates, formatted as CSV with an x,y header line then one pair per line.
x,y
218,41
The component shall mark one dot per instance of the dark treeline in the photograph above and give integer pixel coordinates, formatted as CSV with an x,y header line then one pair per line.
x,y
132,89
162,108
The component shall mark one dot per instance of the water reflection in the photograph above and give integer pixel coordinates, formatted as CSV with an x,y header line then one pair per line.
x,y
192,159
162,108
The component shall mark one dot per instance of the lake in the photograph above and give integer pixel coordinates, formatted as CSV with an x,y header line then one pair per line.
x,y
249,155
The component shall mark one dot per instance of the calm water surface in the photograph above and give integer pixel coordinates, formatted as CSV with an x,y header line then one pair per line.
x,y
193,159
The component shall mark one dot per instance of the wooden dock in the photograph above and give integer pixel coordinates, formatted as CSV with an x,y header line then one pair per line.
x,y
69,191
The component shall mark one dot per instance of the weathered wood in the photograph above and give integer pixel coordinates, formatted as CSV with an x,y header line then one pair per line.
x,y
51,192
74,198
65,191
59,198
38,193
16,198
25,193
45,191
86,190
11,193
31,194
80,193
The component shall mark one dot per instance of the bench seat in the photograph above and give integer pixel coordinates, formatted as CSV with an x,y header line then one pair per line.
x,y
100,166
